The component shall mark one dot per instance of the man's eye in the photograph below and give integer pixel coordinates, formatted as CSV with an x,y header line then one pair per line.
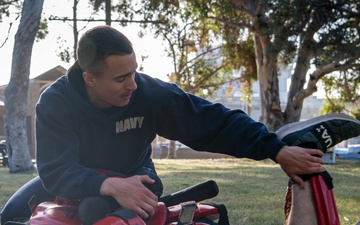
x,y
121,79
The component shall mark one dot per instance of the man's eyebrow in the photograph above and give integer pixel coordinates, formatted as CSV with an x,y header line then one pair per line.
x,y
124,75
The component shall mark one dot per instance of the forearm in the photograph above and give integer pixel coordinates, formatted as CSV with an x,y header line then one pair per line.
x,y
71,181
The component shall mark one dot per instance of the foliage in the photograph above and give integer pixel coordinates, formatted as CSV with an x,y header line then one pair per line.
x,y
209,39
200,65
12,10
324,40
6,6
342,93
193,42
43,30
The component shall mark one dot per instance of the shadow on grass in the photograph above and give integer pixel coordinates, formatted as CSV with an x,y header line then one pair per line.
x,y
252,191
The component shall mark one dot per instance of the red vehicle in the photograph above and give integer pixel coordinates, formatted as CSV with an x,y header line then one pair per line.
x,y
183,207
177,208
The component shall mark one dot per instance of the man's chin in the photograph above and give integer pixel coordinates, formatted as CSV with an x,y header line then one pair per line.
x,y
122,103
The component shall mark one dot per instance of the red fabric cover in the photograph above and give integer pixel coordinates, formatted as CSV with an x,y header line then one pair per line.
x,y
52,213
160,215
324,201
107,173
194,223
114,220
201,211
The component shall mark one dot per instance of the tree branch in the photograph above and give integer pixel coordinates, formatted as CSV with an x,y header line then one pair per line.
x,y
233,24
55,18
243,6
8,33
318,74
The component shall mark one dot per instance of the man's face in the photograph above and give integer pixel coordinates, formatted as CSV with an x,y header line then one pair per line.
x,y
115,85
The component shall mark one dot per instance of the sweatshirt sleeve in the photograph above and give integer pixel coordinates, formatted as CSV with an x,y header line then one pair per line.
x,y
207,126
57,154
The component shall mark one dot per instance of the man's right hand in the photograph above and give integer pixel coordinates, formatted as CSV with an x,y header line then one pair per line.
x,y
296,160
131,193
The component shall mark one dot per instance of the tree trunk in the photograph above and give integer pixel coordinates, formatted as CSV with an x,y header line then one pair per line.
x,y
172,150
75,28
108,12
271,114
297,93
17,89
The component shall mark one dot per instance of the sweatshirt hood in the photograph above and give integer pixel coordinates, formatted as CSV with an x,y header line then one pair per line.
x,y
75,82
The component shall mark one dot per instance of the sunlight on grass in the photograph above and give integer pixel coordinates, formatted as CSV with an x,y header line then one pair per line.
x,y
9,183
252,191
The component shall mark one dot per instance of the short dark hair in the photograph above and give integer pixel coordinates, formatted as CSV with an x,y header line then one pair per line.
x,y
97,44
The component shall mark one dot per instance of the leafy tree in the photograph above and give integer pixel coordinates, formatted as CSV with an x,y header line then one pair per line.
x,y
319,37
17,89
319,43
342,93
199,66
5,8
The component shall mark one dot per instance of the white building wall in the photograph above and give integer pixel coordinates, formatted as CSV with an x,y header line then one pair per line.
x,y
231,96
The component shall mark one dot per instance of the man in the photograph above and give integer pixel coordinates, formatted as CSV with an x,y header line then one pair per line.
x,y
104,115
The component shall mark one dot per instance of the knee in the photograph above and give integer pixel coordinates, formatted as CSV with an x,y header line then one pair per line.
x,y
157,187
14,212
94,208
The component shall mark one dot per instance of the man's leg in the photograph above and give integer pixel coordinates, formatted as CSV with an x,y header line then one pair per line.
x,y
17,207
94,208
321,132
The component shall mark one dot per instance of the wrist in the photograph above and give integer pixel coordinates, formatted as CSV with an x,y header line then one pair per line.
x,y
107,188
280,154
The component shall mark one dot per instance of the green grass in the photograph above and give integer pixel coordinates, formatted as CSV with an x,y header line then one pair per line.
x,y
252,191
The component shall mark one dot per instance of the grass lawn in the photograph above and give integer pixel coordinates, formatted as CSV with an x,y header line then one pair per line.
x,y
252,191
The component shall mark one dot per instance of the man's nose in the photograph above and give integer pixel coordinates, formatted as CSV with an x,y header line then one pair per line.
x,y
131,84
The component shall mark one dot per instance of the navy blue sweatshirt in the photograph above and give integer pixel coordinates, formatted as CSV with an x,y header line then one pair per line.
x,y
73,136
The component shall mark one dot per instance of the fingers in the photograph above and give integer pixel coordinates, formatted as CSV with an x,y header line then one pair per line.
x,y
131,193
315,152
314,164
298,180
314,161
297,161
316,168
145,208
313,170
146,211
146,179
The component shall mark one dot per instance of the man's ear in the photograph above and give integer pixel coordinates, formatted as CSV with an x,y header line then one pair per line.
x,y
89,79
